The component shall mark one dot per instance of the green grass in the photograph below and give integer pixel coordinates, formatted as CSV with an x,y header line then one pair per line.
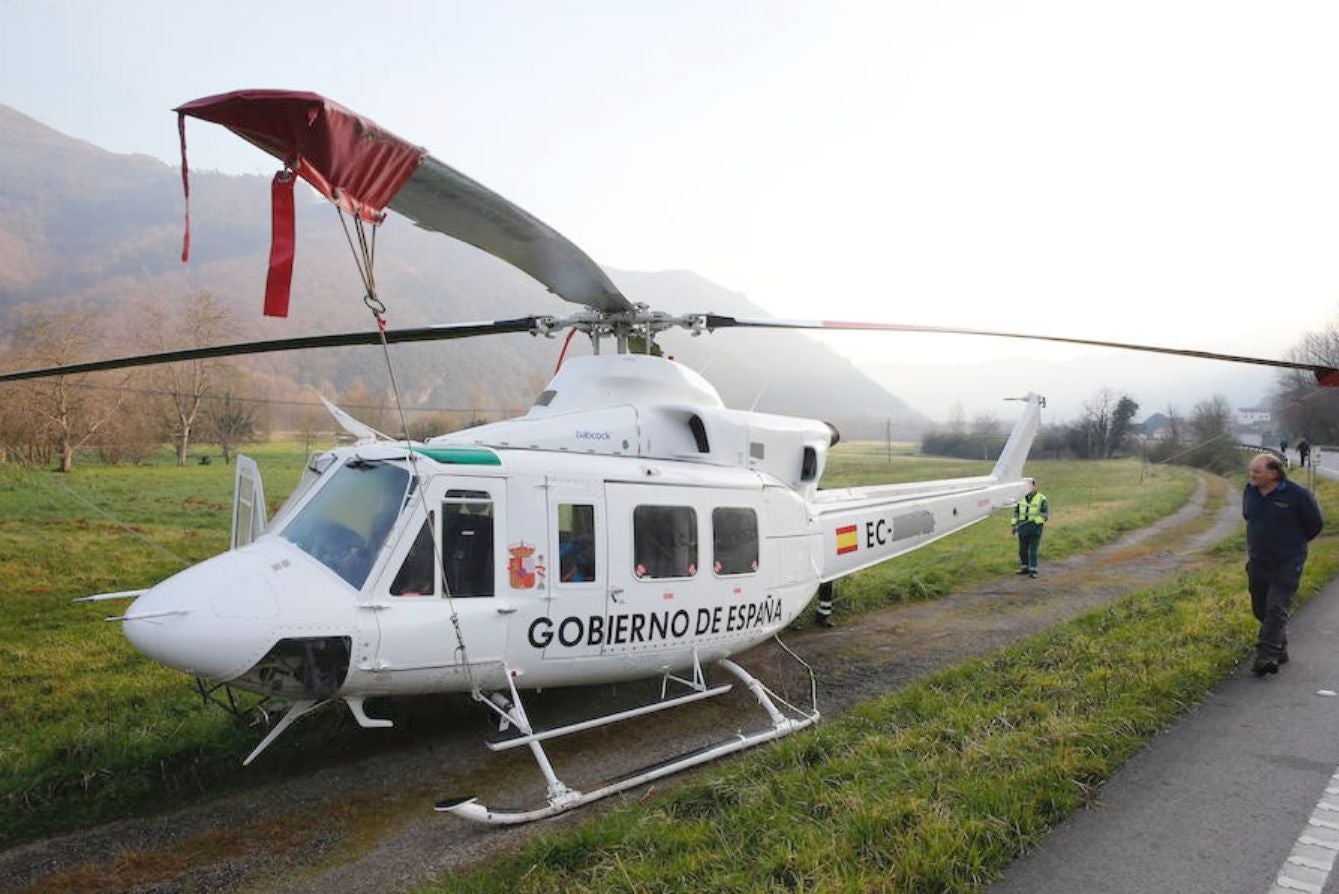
x,y
95,730
100,732
934,788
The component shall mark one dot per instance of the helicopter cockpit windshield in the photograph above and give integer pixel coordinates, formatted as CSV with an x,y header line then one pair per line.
x,y
346,522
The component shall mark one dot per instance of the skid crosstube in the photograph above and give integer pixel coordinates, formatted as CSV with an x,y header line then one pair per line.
x,y
562,798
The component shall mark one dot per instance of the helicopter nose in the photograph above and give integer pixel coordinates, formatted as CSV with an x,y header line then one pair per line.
x,y
213,620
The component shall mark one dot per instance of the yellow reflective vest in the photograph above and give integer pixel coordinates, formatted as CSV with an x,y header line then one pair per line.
x,y
1032,508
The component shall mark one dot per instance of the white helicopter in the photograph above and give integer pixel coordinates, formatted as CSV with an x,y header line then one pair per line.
x,y
628,526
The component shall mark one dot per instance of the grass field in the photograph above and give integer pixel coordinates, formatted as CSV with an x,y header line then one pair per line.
x,y
103,732
937,787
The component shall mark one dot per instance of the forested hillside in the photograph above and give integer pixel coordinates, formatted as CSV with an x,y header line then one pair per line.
x,y
95,235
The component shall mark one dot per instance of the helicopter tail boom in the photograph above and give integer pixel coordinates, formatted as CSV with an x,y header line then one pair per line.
x,y
863,526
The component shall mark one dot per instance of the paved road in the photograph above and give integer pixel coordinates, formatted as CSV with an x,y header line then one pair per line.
x,y
1220,802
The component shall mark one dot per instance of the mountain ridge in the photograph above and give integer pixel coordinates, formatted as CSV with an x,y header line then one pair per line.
x,y
93,231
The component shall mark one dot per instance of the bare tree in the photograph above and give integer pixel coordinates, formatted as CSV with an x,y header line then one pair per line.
x,y
308,425
986,425
129,437
1169,446
67,410
1213,445
1104,426
21,435
203,321
1302,406
229,423
957,419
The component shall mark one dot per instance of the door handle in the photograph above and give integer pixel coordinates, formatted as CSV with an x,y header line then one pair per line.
x,y
615,593
505,609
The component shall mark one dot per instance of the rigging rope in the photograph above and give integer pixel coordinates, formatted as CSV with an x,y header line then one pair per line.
x,y
364,257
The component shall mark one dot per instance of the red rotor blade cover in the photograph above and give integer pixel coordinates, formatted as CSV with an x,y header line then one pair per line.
x,y
346,157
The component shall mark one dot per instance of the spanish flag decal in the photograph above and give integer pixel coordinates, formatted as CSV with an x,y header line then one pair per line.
x,y
846,540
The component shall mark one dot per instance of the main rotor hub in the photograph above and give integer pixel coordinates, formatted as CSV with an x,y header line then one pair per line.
x,y
640,323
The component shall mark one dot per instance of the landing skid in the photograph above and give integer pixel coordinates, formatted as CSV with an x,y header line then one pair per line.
x,y
563,798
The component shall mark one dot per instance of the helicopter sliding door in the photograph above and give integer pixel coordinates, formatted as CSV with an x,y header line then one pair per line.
x,y
449,555
569,624
686,575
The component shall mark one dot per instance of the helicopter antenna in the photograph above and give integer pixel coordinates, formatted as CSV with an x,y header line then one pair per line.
x,y
761,391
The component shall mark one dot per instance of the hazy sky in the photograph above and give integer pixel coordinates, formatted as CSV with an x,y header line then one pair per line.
x,y
1163,171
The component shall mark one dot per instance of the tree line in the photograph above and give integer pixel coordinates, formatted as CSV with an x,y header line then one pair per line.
x,y
1106,430
127,416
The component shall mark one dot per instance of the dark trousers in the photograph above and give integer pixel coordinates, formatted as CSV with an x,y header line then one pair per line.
x,y
824,609
1273,586
1029,540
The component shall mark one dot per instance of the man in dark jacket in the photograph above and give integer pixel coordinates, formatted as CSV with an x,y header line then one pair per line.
x,y
1281,517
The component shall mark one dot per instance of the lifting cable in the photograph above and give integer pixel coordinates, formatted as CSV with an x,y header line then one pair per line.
x,y
364,256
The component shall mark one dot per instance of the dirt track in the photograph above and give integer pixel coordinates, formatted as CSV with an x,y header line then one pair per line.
x,y
367,825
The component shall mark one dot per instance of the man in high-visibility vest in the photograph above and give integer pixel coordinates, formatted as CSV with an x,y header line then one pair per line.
x,y
1030,515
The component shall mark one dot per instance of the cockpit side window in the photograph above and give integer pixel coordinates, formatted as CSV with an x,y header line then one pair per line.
x,y
346,522
467,543
415,575
576,542
317,464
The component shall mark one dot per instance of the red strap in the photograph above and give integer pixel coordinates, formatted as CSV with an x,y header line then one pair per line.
x,y
282,238
563,353
185,188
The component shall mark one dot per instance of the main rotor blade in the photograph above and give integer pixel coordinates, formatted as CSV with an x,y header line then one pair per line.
x,y
363,167
1325,375
393,336
440,198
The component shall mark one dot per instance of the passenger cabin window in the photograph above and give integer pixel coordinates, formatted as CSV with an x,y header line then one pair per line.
x,y
346,522
576,542
664,541
415,575
734,540
467,543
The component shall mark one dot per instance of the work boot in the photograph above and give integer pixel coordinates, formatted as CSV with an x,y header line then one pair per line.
x,y
1283,659
824,621
1021,571
1032,573
1264,664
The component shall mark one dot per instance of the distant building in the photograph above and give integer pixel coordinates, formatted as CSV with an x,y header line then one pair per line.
x,y
1157,427
1253,416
